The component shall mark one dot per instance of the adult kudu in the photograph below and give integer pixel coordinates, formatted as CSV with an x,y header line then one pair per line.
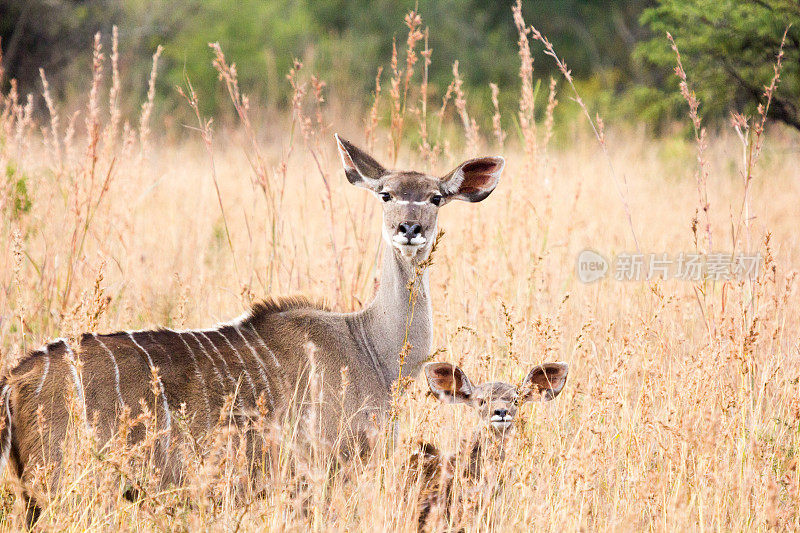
x,y
263,357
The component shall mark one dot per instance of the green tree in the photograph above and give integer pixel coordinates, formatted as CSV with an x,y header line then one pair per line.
x,y
728,48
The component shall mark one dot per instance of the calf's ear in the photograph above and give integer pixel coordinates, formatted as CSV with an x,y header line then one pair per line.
x,y
448,382
544,381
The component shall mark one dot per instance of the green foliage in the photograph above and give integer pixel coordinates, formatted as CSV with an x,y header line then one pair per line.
x,y
343,41
262,38
728,49
19,202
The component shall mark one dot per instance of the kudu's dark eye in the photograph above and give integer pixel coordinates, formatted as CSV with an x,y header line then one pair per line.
x,y
385,196
436,199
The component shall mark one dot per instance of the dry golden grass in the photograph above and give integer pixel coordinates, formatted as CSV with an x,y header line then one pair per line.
x,y
682,408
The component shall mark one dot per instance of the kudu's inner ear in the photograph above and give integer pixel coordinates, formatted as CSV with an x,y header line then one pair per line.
x,y
545,381
448,382
360,168
473,180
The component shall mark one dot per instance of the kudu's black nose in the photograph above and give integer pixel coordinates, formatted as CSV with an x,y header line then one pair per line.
x,y
409,230
501,412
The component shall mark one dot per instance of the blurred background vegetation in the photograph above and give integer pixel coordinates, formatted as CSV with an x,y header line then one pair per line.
x,y
616,49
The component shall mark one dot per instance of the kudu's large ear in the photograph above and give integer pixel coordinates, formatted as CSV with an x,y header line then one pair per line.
x,y
360,168
473,180
448,382
545,381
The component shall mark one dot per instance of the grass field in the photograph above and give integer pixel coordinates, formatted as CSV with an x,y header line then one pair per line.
x,y
682,408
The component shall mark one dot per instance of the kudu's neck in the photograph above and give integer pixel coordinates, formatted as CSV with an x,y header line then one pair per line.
x,y
400,313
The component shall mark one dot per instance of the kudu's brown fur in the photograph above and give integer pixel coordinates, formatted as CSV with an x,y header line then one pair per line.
x,y
270,351
496,405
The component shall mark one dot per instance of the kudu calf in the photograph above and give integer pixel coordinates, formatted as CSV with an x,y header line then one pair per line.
x,y
496,405
269,352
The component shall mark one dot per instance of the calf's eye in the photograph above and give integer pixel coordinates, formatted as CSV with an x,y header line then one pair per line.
x,y
385,196
436,199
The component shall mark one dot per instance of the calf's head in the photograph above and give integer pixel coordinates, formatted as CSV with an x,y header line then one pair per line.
x,y
496,403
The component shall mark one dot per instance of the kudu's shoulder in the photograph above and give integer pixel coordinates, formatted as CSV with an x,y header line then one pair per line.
x,y
276,305
290,315
288,323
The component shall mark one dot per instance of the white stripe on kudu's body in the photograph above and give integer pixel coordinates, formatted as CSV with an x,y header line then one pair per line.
x,y
234,381
191,350
153,341
76,379
259,364
227,371
45,370
201,378
217,372
267,347
272,357
247,376
154,370
269,397
116,370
